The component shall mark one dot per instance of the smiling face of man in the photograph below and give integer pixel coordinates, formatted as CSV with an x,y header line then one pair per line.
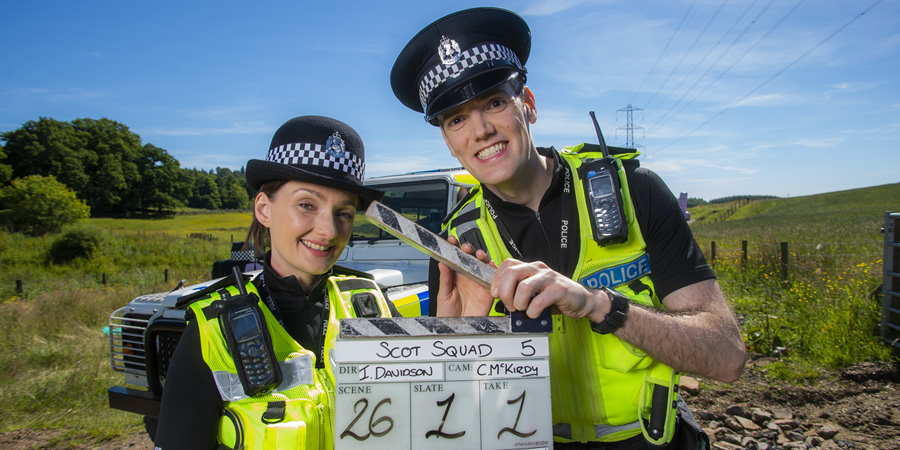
x,y
490,135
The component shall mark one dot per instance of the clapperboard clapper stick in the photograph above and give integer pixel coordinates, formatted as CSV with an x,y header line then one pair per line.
x,y
442,251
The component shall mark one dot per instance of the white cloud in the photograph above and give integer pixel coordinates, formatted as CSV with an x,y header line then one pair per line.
x,y
548,7
825,142
682,165
235,128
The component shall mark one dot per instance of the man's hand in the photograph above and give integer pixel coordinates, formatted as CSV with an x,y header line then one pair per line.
x,y
460,296
533,287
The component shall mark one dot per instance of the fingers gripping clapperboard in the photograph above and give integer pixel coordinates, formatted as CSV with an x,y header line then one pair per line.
x,y
442,383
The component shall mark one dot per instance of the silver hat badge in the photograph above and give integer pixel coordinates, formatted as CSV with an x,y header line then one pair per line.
x,y
335,145
449,51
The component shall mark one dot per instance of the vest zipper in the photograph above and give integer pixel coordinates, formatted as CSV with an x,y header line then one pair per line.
x,y
555,254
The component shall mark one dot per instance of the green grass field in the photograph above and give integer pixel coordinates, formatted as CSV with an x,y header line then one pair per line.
x,y
54,368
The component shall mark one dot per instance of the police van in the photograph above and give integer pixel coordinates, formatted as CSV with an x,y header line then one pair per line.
x,y
143,334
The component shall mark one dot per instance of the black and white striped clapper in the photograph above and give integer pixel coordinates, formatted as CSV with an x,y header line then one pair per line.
x,y
431,244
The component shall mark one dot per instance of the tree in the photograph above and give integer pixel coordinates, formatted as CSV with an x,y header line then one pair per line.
x,y
161,183
205,192
110,151
48,148
231,189
37,205
5,169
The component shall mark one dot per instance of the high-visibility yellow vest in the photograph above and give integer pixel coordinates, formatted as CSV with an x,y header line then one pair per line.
x,y
601,386
303,404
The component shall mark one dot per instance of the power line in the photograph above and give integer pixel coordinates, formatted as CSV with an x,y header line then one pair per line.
x,y
660,122
685,55
778,73
666,48
700,63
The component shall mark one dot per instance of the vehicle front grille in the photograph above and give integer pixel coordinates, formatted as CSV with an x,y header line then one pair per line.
x,y
126,341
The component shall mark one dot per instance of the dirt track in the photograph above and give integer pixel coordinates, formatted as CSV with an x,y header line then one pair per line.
x,y
861,403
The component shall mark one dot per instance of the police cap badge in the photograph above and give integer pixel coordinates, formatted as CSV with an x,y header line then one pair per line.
x,y
459,57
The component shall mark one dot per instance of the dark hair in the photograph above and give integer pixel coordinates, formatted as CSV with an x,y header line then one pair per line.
x,y
258,234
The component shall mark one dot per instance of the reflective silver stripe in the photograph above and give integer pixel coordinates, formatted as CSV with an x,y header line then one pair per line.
x,y
564,430
295,372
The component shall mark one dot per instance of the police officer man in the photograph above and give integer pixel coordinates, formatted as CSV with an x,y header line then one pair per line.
x,y
634,311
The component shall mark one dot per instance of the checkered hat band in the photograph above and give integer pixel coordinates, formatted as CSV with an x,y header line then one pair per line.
x,y
315,155
469,58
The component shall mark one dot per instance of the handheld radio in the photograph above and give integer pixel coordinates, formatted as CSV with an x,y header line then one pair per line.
x,y
249,341
601,183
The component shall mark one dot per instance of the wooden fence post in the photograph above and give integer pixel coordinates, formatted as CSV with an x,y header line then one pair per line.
x,y
784,261
104,278
19,288
743,254
712,252
166,276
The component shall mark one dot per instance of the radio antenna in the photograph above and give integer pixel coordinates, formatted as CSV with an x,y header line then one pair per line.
x,y
603,148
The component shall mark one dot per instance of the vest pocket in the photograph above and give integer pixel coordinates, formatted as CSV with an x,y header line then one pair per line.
x,y
618,355
286,435
303,426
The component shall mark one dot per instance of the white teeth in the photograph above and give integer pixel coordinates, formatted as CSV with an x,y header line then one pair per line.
x,y
490,151
315,246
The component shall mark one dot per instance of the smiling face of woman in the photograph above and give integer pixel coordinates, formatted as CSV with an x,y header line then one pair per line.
x,y
309,226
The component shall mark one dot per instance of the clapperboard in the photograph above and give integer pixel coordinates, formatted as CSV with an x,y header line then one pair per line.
x,y
442,383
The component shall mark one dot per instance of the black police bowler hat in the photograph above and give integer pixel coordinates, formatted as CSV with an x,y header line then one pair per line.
x,y
459,57
318,150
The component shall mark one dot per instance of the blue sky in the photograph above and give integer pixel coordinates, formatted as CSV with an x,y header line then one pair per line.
x,y
765,97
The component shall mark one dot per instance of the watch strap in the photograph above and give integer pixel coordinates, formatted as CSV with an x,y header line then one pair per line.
x,y
615,318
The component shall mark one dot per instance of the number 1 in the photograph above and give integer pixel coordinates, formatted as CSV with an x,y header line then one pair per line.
x,y
513,430
440,431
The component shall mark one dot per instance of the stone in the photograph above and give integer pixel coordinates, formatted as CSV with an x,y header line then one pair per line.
x,y
747,424
828,431
795,436
731,438
795,445
725,446
782,414
749,442
737,410
733,424
814,441
760,416
829,445
689,385
786,424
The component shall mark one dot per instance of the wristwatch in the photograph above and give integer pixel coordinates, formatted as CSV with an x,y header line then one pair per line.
x,y
616,315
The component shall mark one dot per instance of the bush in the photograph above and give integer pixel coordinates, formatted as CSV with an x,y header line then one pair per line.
x,y
37,205
80,242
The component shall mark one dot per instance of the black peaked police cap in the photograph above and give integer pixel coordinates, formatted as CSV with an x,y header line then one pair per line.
x,y
318,150
460,57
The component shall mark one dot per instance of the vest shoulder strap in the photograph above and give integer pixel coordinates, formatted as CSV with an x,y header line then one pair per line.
x,y
185,300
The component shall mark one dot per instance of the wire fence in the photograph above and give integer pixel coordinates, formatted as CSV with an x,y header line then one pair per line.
x,y
795,255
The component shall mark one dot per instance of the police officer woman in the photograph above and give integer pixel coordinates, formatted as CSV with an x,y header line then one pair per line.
x,y
223,388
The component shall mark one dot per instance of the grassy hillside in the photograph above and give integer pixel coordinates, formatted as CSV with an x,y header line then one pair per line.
x,y
827,311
